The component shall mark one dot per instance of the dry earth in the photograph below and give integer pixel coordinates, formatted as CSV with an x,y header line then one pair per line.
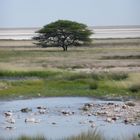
x,y
103,55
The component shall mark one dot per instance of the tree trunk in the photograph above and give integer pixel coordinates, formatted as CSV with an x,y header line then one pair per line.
x,y
64,48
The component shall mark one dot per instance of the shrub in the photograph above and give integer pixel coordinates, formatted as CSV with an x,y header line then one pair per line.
x,y
93,85
135,88
117,76
111,76
96,76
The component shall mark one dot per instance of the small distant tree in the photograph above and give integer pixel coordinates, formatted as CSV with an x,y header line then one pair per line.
x,y
63,33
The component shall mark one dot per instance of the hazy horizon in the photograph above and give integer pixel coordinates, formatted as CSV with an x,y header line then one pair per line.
x,y
99,32
30,13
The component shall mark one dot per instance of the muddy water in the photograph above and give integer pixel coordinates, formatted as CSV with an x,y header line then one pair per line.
x,y
55,125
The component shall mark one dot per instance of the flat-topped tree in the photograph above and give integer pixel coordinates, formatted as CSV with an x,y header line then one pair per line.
x,y
63,33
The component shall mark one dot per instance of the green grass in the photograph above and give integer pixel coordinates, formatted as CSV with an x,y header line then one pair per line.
x,y
64,83
30,72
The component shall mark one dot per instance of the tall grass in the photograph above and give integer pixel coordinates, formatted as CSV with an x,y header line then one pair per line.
x,y
110,76
41,74
117,76
69,76
99,76
77,76
62,83
90,135
32,138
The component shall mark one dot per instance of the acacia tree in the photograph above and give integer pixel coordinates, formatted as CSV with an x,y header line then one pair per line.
x,y
63,33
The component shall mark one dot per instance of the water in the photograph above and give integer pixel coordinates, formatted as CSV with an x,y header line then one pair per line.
x,y
99,32
65,125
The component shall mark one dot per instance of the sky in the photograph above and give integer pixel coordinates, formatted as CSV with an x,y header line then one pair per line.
x,y
37,13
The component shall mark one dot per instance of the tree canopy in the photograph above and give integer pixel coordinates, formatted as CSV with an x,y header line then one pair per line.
x,y
63,33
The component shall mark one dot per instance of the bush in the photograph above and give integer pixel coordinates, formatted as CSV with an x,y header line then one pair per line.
x,y
93,85
111,76
135,88
118,76
96,76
